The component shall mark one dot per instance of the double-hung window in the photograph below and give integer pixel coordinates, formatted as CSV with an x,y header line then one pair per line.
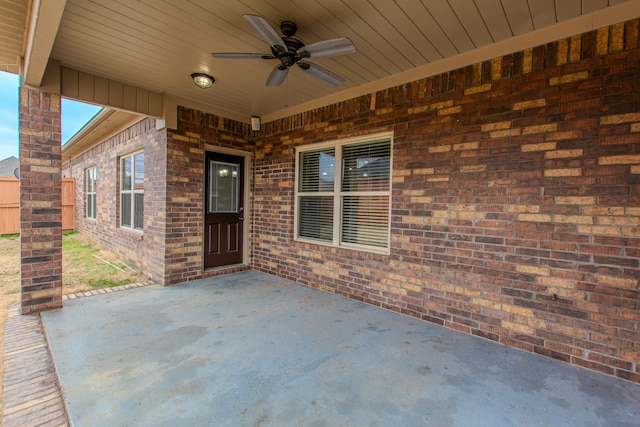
x,y
91,183
343,193
132,191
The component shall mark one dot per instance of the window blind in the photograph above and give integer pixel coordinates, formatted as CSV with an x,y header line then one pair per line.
x,y
343,194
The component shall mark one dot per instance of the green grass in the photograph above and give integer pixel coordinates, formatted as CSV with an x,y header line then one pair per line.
x,y
13,236
81,257
108,283
80,264
78,250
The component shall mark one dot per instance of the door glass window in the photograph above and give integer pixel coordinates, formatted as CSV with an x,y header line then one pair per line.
x,y
223,187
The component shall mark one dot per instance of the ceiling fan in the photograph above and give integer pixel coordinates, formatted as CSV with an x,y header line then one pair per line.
x,y
289,51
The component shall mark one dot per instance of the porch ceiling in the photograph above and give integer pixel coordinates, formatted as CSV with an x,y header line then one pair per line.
x,y
157,45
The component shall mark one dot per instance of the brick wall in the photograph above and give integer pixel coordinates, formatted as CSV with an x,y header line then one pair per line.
x,y
516,200
185,188
40,201
144,251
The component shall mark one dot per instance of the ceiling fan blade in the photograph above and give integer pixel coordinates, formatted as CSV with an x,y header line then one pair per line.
x,y
333,47
277,76
226,55
321,73
266,31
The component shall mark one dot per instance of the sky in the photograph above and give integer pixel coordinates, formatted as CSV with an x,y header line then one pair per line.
x,y
74,116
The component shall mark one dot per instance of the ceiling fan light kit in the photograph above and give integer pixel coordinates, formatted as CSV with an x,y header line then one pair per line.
x,y
202,80
291,51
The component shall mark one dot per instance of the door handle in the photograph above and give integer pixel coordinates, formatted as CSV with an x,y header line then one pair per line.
x,y
241,212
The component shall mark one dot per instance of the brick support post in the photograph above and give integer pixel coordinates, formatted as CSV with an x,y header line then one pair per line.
x,y
40,201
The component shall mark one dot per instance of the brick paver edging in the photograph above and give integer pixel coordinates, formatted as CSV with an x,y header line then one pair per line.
x,y
105,290
32,393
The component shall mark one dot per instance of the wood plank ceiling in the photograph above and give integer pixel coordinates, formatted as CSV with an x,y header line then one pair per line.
x,y
13,21
156,44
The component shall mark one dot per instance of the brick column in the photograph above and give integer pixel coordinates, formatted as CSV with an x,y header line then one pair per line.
x,y
40,201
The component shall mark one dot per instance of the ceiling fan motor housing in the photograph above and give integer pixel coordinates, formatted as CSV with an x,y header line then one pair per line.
x,y
289,56
288,28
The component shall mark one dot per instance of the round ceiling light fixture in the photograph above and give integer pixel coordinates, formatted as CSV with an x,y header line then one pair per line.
x,y
202,80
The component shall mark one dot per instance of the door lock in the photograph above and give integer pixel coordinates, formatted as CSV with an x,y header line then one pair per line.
x,y
241,212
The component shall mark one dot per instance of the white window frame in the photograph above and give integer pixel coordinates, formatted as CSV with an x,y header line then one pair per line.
x,y
132,191
338,194
91,192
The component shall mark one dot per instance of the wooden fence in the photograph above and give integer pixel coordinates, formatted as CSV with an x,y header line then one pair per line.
x,y
10,205
68,204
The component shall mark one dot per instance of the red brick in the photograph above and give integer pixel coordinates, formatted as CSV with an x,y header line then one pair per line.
x,y
40,266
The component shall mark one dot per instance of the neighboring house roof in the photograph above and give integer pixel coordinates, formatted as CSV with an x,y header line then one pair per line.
x,y
10,167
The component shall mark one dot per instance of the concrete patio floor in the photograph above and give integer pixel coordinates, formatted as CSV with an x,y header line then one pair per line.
x,y
252,349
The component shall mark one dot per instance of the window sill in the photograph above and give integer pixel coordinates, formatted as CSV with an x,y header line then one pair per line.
x,y
132,231
355,248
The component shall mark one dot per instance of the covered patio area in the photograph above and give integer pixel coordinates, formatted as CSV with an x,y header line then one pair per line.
x,y
473,167
253,349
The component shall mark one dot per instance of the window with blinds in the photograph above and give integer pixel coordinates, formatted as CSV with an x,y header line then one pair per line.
x,y
343,193
91,184
132,191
